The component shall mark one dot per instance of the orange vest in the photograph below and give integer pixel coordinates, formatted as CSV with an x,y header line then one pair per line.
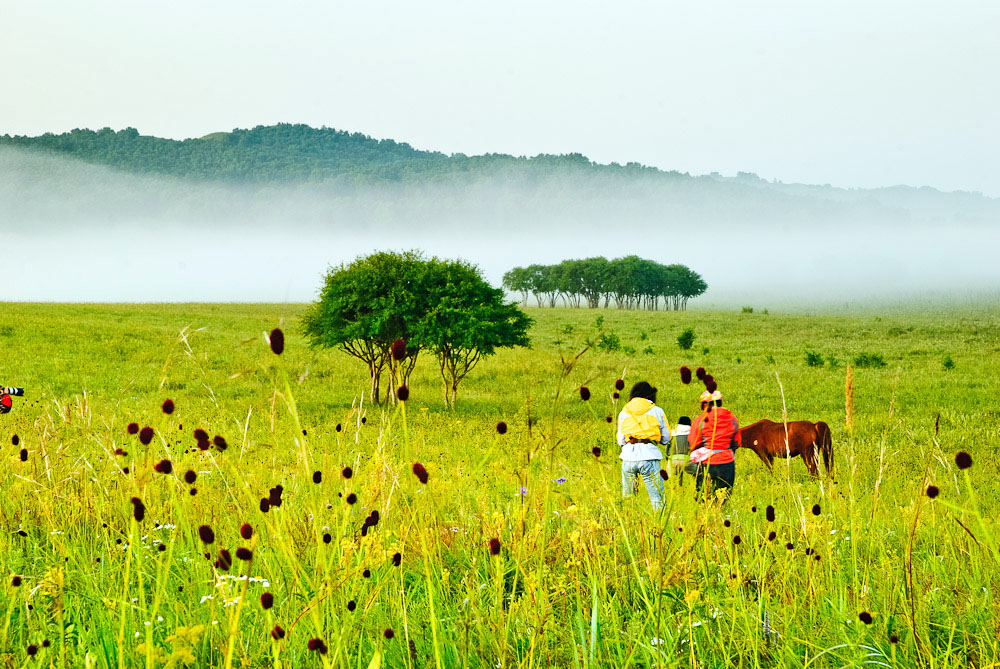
x,y
716,430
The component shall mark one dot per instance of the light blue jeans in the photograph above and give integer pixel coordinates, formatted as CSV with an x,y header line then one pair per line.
x,y
649,470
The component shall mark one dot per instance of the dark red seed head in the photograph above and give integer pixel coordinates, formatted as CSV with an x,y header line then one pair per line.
x,y
789,545
711,386
620,384
501,428
225,560
146,435
352,498
494,546
138,509
609,419
317,645
265,506
206,534
685,375
133,428
397,559
24,455
769,512
865,617
190,476
220,443
347,472
596,450
16,581
277,633
771,536
893,638
584,393
244,554
367,573
32,649
15,440
963,460
193,491
399,350
351,605
327,538
246,531
267,600
700,373
168,406
664,475
277,339
816,509
200,435
615,396
339,427
164,466
932,491
737,540
317,477
727,522
420,472
388,633
403,393
121,451
46,643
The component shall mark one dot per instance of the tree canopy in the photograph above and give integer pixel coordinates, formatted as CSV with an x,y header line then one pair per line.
x,y
631,283
367,306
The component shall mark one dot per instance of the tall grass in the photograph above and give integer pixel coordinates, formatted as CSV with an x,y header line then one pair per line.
x,y
518,550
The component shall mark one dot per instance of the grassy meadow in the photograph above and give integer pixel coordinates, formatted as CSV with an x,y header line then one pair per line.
x,y
580,577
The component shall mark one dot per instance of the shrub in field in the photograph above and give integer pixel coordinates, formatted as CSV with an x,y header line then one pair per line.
x,y
948,364
748,310
609,342
686,339
869,360
814,359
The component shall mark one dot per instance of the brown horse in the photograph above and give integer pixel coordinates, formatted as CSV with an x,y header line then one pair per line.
x,y
768,440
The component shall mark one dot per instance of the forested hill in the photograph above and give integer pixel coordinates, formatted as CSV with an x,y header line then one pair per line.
x,y
334,160
290,153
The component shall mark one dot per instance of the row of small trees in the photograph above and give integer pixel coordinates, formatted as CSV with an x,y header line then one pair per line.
x,y
631,283
386,308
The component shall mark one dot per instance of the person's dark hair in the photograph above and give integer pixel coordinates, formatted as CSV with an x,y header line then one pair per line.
x,y
643,390
683,420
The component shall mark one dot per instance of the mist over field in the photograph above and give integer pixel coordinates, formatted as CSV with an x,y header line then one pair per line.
x,y
73,231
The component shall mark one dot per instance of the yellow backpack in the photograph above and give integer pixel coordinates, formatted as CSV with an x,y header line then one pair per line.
x,y
637,423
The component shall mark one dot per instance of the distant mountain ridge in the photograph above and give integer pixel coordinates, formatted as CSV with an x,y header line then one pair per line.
x,y
340,161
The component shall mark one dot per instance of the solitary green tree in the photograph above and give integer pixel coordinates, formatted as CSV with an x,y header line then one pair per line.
x,y
468,320
367,305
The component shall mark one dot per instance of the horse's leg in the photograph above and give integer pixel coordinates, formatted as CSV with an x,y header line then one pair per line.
x,y
809,455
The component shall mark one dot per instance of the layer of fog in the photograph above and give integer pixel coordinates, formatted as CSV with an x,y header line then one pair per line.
x,y
76,232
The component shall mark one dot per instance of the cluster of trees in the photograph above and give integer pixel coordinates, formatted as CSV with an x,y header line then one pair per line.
x,y
630,282
387,308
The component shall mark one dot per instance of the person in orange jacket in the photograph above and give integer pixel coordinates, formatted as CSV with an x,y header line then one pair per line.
x,y
714,439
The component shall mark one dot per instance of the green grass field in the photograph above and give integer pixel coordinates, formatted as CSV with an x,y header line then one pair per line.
x,y
582,579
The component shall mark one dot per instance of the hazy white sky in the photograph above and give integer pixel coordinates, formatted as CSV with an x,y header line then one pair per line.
x,y
853,93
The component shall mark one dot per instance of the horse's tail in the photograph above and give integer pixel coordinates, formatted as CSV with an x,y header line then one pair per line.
x,y
825,442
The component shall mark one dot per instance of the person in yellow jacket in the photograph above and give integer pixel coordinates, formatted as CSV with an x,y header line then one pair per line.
x,y
642,428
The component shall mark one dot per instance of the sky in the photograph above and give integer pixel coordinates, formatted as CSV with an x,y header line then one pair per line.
x,y
852,93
